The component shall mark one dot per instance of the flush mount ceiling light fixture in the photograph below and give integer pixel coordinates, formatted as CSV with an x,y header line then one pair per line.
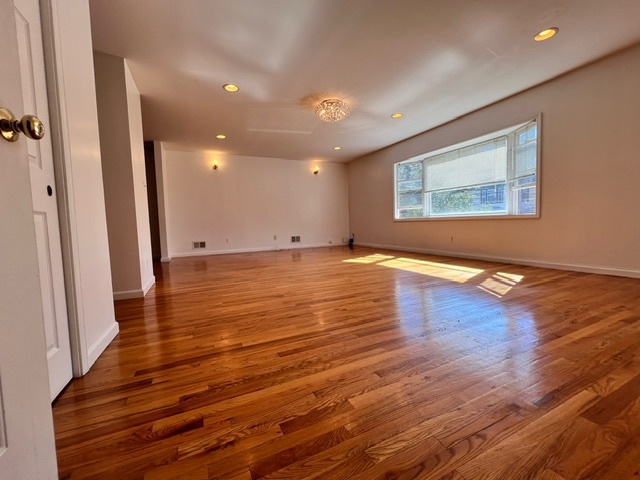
x,y
545,34
331,110
230,87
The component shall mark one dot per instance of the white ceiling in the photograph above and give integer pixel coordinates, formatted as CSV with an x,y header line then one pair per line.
x,y
433,60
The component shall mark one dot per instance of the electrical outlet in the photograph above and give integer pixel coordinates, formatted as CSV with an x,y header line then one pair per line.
x,y
275,237
451,238
227,240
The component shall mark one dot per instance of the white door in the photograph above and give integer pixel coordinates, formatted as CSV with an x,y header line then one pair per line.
x,y
27,448
43,192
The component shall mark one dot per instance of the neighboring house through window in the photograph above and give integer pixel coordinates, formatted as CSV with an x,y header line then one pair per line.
x,y
493,175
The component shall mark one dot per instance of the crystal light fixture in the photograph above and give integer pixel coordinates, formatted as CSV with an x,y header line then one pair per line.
x,y
331,110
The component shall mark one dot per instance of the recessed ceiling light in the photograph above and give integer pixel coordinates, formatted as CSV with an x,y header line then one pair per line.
x,y
337,148
545,34
395,116
230,87
221,137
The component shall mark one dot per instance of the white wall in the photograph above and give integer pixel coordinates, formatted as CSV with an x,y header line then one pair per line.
x,y
117,172
590,188
248,200
159,157
134,110
122,148
74,118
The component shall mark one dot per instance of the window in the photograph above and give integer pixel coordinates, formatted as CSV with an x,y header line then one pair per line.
x,y
494,175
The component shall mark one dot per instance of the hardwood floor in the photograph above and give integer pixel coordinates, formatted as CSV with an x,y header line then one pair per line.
x,y
362,364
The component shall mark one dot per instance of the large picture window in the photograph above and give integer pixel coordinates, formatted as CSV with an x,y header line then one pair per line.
x,y
493,175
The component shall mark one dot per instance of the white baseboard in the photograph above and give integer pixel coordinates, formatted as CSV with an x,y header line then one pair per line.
x,y
251,250
150,283
138,293
601,270
101,344
128,294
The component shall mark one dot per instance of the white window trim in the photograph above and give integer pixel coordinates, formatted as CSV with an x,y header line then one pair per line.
x,y
473,216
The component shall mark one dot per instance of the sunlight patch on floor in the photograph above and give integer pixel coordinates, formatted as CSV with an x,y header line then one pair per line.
x,y
375,258
455,273
500,284
511,276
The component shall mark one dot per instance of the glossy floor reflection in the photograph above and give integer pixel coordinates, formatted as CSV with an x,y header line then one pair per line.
x,y
340,363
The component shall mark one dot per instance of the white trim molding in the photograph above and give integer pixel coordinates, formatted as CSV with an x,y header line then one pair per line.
x,y
149,284
102,343
127,294
600,270
138,293
251,250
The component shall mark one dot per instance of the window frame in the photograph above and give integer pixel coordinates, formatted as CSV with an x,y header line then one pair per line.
x,y
510,194
397,191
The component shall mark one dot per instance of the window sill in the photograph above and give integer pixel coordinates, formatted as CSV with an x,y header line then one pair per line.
x,y
469,217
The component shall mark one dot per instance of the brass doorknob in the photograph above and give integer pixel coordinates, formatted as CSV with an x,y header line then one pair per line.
x,y
11,128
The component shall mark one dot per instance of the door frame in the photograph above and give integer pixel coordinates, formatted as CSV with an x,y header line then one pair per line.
x,y
64,185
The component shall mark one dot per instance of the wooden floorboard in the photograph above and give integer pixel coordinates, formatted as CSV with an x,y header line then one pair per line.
x,y
357,363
